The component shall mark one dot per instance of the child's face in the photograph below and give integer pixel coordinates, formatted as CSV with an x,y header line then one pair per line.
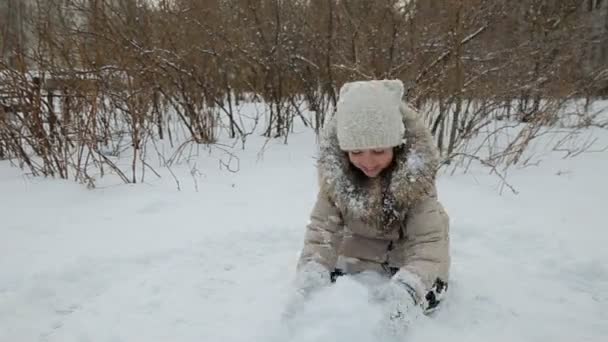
x,y
371,162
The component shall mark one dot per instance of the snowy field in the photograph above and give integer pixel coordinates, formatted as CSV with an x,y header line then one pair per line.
x,y
149,263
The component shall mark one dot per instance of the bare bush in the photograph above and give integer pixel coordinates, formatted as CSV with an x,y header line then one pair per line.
x,y
86,83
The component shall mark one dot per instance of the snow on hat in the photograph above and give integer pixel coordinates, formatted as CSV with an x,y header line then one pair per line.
x,y
368,115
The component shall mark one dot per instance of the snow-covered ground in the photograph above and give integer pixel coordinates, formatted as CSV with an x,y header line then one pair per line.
x,y
148,263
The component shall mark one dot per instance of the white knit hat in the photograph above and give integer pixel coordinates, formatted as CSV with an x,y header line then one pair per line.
x,y
368,115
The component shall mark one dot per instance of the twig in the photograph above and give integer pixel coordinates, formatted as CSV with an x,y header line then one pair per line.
x,y
174,178
492,167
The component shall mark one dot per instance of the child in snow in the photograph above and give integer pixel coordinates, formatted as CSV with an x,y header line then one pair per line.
x,y
377,208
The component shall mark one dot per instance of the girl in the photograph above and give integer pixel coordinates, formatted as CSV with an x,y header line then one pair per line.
x,y
377,208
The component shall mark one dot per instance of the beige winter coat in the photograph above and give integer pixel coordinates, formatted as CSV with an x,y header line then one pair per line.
x,y
384,224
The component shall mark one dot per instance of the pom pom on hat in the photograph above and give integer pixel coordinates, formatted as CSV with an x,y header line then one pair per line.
x,y
368,115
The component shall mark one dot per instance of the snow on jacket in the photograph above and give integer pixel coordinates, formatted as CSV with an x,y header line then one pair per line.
x,y
393,223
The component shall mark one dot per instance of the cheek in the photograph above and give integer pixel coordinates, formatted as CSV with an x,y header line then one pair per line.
x,y
361,163
354,159
385,160
357,162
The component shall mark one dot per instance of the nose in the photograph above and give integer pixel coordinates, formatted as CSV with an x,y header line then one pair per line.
x,y
368,160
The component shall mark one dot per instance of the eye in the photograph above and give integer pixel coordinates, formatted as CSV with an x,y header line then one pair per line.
x,y
378,152
355,153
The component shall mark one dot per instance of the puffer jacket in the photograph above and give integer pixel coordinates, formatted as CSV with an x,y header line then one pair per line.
x,y
393,224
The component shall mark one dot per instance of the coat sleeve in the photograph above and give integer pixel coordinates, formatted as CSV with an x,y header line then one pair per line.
x,y
426,252
323,234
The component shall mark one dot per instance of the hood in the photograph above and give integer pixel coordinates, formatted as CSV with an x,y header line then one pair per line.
x,y
388,196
